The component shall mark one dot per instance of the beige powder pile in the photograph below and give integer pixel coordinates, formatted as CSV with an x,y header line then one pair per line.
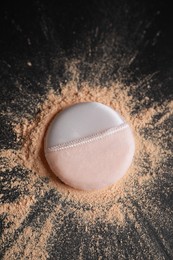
x,y
104,205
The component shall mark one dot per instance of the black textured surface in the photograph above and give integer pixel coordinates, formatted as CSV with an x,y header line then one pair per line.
x,y
130,41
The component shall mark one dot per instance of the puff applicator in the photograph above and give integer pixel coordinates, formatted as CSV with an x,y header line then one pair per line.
x,y
89,146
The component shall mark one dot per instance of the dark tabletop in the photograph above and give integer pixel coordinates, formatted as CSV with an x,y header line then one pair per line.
x,y
46,35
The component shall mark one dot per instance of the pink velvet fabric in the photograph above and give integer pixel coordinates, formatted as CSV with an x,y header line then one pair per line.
x,y
96,164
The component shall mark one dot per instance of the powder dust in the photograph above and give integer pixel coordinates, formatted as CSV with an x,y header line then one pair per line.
x,y
152,151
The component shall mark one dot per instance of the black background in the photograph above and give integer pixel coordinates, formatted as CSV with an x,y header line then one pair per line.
x,y
98,33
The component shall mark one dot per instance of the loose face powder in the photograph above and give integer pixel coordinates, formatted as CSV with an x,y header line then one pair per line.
x,y
46,206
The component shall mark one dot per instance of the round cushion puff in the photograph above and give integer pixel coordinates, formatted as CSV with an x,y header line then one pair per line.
x,y
89,146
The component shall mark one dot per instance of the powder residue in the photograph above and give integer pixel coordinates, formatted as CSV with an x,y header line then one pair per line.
x,y
105,206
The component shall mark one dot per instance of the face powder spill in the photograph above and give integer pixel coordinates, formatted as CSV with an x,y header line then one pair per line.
x,y
111,205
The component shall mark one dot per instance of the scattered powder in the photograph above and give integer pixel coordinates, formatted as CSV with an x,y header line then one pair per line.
x,y
107,205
